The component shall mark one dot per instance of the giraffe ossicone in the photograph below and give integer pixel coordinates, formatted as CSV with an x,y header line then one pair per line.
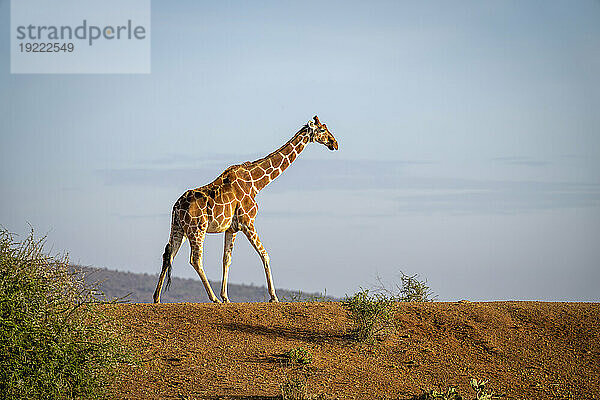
x,y
227,205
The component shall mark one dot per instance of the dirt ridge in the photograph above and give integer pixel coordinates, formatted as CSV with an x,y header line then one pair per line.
x,y
527,350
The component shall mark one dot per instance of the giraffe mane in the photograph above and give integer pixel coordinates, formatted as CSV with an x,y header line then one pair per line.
x,y
304,127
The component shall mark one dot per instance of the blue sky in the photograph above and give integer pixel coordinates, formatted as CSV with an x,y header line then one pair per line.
x,y
469,144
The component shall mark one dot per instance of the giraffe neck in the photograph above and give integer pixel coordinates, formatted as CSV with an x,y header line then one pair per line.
x,y
264,170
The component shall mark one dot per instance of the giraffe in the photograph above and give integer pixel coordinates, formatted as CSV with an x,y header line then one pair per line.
x,y
227,205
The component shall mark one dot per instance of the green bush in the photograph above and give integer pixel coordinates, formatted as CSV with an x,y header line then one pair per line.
x,y
55,342
410,289
371,314
299,355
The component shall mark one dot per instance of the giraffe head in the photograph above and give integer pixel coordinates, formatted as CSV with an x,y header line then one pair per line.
x,y
320,134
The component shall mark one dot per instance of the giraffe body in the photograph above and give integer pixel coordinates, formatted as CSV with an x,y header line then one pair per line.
x,y
227,205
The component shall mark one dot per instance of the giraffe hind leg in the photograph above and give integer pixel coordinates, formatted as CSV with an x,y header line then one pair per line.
x,y
227,249
196,244
175,240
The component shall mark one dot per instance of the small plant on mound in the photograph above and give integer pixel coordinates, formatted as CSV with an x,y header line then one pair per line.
x,y
478,387
55,342
371,314
480,390
410,289
301,297
449,394
413,289
299,355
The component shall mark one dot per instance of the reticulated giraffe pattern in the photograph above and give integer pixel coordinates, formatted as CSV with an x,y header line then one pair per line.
x,y
227,205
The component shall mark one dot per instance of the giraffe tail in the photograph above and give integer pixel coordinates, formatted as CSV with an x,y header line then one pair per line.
x,y
167,263
175,239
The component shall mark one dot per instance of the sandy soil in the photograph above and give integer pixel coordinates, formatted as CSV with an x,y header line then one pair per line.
x,y
527,350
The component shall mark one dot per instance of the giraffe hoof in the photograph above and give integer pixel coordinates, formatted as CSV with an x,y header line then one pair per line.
x,y
226,300
274,300
215,300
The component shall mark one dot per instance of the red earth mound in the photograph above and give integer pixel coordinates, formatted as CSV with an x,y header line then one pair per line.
x,y
527,350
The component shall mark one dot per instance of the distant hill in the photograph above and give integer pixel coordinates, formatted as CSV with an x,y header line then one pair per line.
x,y
139,288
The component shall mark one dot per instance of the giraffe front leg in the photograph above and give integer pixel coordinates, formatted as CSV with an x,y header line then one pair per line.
x,y
227,249
252,236
196,261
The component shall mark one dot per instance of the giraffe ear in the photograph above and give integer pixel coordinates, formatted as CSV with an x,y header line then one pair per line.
x,y
317,120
